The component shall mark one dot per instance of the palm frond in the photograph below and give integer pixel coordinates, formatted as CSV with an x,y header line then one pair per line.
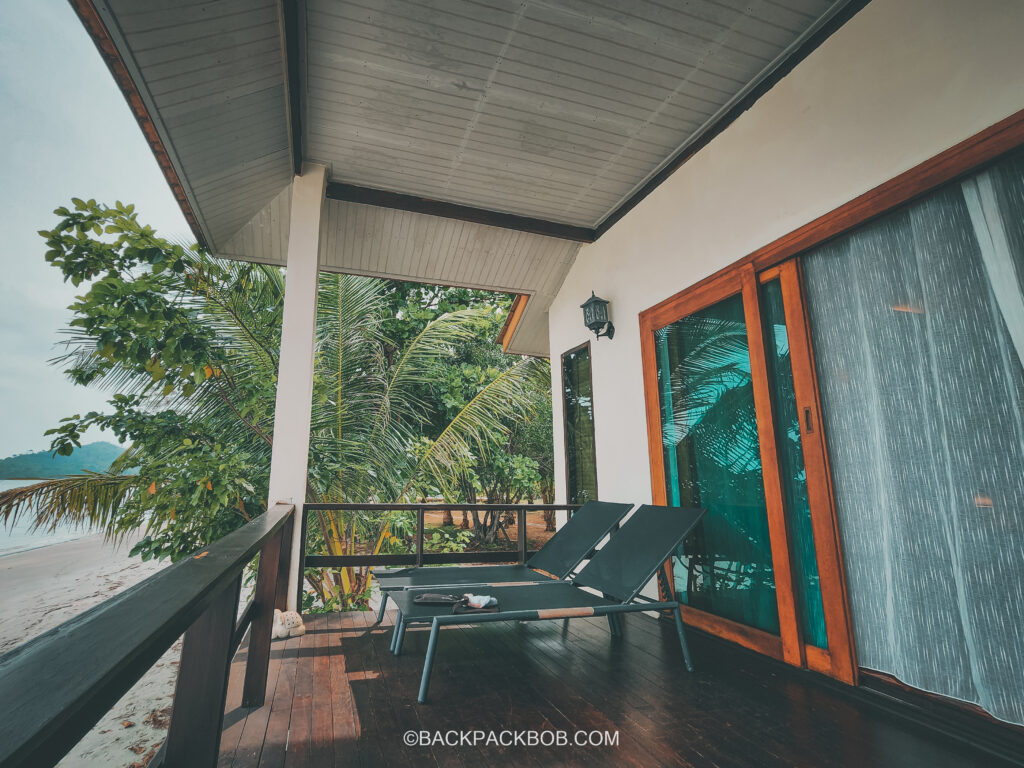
x,y
482,423
433,343
87,500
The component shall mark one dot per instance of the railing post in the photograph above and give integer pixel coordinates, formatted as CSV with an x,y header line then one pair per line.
x,y
521,531
193,739
254,691
420,513
300,509
285,564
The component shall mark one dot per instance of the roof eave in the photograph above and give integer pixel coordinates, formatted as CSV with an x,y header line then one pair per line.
x,y
100,33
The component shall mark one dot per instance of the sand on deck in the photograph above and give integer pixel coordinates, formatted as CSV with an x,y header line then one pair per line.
x,y
44,587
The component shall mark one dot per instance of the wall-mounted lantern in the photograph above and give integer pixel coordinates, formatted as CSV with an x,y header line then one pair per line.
x,y
595,316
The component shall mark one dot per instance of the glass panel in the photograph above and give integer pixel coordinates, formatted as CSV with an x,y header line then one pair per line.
x,y
918,328
791,466
580,460
712,460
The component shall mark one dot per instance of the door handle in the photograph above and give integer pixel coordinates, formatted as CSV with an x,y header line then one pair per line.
x,y
808,425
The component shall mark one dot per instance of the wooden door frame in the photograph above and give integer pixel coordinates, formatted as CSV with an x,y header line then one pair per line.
x,y
565,416
741,281
839,660
966,157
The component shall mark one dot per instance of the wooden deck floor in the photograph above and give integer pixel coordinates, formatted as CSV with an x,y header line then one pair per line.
x,y
337,697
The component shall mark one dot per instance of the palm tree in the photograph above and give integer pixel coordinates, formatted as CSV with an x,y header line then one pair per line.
x,y
368,415
190,343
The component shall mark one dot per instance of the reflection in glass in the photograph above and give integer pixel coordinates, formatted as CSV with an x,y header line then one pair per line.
x,y
712,460
791,465
580,459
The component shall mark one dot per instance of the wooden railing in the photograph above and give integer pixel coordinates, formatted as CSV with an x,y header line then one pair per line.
x,y
418,556
56,687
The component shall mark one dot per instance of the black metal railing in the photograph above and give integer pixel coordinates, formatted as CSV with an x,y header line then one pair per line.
x,y
56,687
418,556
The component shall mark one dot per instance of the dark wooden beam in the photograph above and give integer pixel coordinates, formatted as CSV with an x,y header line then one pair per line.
x,y
200,692
689,150
337,190
291,43
264,600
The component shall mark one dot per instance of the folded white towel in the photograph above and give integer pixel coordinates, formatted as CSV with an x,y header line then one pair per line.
x,y
480,601
287,624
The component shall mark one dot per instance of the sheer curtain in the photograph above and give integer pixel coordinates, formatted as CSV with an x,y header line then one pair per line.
x,y
918,327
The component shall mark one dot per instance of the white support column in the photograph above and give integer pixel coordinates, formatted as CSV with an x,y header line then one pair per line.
x,y
290,455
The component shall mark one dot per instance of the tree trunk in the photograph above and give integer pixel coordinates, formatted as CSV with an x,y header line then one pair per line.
x,y
469,494
547,496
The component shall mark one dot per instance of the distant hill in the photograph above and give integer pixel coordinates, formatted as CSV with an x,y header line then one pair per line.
x,y
94,457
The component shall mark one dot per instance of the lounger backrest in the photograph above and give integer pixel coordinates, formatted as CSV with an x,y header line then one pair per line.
x,y
633,555
578,537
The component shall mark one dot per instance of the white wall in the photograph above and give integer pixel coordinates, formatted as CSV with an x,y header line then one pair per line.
x,y
899,83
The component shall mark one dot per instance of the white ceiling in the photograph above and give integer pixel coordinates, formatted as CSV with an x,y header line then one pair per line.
x,y
554,109
551,109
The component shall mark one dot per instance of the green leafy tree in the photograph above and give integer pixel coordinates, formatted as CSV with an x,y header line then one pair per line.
x,y
514,464
520,465
188,344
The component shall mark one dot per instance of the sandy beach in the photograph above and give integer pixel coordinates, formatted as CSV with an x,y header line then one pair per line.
x,y
41,588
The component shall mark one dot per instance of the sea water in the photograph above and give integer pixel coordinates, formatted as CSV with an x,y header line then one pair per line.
x,y
20,536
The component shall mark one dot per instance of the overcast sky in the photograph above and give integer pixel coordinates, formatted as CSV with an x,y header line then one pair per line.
x,y
65,130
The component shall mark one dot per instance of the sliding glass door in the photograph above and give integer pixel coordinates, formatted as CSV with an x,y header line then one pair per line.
x,y
913,295
712,459
732,418
792,468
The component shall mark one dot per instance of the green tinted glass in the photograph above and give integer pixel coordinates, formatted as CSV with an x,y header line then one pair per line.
x,y
791,466
712,460
580,460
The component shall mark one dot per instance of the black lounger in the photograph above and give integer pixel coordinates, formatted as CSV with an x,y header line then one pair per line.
x,y
570,545
619,570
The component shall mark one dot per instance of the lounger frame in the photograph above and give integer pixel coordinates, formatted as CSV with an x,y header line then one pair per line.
x,y
611,611
610,571
540,576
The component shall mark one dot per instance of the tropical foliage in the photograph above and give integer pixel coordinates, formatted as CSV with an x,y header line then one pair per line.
x,y
408,395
